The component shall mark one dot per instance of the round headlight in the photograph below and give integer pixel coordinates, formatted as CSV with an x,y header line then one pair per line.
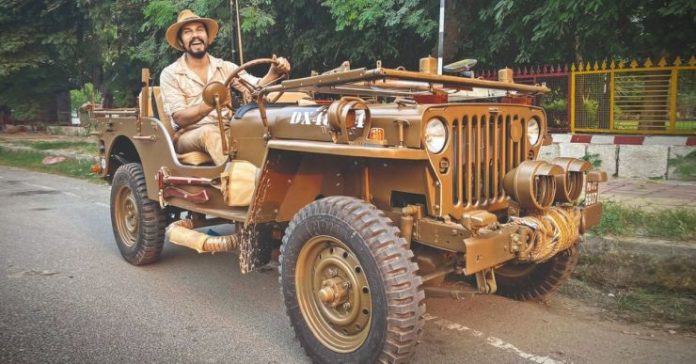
x,y
533,131
435,135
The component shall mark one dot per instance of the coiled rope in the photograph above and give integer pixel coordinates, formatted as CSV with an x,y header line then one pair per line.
x,y
554,231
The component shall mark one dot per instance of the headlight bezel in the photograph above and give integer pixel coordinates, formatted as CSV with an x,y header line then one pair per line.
x,y
534,124
442,139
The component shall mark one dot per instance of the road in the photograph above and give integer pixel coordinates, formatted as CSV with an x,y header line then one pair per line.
x,y
66,295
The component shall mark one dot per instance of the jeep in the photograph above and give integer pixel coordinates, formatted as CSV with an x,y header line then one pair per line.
x,y
373,187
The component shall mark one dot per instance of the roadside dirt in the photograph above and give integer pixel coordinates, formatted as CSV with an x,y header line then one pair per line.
x,y
560,330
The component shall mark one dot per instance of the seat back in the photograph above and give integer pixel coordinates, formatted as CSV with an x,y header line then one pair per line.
x,y
159,109
151,105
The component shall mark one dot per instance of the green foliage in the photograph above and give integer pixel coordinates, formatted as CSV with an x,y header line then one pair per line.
x,y
81,96
555,105
675,223
644,304
39,54
591,107
32,161
594,160
79,146
362,14
684,166
51,46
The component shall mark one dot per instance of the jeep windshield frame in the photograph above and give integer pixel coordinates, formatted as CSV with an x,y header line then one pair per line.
x,y
393,82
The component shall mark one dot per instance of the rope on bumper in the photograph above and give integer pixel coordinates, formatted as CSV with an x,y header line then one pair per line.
x,y
554,231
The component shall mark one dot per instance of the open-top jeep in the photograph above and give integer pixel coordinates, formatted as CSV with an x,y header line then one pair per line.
x,y
376,187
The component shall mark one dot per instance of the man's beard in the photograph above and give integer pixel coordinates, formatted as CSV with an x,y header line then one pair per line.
x,y
198,54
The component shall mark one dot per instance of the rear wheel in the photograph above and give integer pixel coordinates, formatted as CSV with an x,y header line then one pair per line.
x,y
137,221
349,284
530,281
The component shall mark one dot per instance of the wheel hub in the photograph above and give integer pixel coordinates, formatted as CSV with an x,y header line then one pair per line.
x,y
333,293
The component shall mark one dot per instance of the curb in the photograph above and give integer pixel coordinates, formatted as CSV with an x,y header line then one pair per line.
x,y
625,139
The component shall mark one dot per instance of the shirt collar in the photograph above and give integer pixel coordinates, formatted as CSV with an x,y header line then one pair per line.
x,y
181,67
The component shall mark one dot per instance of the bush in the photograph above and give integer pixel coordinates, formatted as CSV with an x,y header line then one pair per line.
x,y
86,93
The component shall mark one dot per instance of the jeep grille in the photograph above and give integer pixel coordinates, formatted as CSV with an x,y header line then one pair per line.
x,y
485,144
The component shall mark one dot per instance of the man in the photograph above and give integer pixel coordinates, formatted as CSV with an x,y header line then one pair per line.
x,y
182,84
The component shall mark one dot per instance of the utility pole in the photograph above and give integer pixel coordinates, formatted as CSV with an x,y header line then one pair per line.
x,y
232,18
441,39
236,26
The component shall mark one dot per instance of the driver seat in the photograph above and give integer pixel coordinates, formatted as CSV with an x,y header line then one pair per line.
x,y
190,158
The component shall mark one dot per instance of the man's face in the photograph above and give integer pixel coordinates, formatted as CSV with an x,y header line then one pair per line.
x,y
194,38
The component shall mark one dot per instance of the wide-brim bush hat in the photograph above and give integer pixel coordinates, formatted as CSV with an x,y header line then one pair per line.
x,y
187,16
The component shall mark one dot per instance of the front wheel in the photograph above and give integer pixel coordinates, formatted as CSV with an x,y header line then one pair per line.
x,y
137,221
349,284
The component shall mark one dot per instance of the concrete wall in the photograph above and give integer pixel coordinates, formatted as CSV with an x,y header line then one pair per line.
x,y
643,161
647,161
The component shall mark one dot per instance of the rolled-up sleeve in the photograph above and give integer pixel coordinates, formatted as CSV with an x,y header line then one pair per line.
x,y
249,78
172,95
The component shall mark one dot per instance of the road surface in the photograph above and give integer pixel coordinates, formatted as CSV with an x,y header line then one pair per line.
x,y
66,295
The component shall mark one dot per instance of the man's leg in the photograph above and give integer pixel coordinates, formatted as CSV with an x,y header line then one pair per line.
x,y
206,138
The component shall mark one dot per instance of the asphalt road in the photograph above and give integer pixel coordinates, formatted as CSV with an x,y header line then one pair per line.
x,y
66,295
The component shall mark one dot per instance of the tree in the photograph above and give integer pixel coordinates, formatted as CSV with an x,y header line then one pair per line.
x,y
38,54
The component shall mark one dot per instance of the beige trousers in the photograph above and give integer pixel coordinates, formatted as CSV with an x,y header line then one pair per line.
x,y
205,138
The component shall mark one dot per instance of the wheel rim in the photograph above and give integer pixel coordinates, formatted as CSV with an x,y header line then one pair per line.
x,y
127,216
333,294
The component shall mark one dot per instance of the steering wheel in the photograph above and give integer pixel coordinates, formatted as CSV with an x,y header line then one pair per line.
x,y
217,94
218,90
253,89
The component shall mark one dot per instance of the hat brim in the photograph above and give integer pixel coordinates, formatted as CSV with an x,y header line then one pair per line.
x,y
173,31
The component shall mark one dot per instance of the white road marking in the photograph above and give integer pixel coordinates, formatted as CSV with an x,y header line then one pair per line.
x,y
70,194
102,204
40,186
491,340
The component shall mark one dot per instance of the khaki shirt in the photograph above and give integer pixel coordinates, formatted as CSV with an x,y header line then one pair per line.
x,y
181,87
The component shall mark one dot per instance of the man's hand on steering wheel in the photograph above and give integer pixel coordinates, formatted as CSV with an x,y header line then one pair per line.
x,y
281,67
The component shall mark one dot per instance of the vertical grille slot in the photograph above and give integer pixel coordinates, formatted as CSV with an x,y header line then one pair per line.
x,y
456,163
483,152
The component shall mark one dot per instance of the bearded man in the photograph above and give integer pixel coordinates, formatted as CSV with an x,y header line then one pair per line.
x,y
182,84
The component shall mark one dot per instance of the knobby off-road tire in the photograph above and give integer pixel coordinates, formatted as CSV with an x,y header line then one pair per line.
x,y
137,221
343,239
535,281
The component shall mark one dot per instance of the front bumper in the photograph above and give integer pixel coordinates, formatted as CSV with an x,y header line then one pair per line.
x,y
493,245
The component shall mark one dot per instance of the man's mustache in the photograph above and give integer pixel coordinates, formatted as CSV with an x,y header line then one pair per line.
x,y
196,39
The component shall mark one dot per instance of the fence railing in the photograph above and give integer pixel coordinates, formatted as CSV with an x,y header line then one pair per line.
x,y
620,97
617,97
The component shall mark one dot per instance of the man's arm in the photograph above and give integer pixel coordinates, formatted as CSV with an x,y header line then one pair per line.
x,y
275,71
191,115
175,103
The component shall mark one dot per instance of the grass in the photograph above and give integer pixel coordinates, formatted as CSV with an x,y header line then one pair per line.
x,y
649,306
80,146
32,161
671,224
684,166
643,304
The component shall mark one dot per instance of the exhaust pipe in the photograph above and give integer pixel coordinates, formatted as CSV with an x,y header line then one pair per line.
x,y
181,233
